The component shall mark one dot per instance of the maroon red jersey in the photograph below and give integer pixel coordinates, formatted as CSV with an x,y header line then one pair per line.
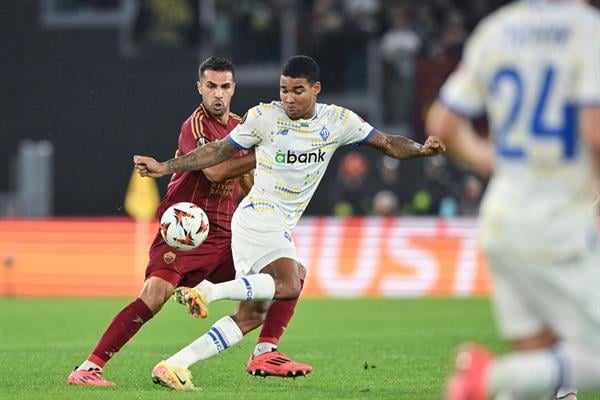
x,y
218,200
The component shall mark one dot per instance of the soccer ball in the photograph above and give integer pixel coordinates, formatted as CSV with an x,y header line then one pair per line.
x,y
184,226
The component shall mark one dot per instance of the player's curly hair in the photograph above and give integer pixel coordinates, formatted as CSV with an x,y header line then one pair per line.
x,y
302,67
216,64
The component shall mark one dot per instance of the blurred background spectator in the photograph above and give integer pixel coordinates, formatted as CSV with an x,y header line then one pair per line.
x,y
385,204
468,204
400,45
118,76
436,187
351,193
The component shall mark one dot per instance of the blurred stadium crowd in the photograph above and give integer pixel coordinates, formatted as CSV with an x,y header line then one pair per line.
x,y
420,42
417,44
384,59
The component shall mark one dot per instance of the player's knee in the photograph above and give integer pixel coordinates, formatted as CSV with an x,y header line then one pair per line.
x,y
301,271
154,303
155,293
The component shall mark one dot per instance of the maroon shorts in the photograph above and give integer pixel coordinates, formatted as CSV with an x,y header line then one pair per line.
x,y
212,260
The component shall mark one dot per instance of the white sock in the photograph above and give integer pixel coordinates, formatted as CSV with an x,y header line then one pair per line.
x,y
251,287
263,347
582,366
563,365
512,373
87,365
222,335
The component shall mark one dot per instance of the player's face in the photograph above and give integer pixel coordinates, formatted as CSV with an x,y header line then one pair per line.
x,y
298,96
216,88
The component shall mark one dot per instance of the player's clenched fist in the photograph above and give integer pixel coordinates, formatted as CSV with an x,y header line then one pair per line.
x,y
433,146
148,166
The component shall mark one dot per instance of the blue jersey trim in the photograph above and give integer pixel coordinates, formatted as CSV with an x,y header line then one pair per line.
x,y
461,112
236,144
366,137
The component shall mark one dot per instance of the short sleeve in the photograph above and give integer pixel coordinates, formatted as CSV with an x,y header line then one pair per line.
x,y
587,88
463,92
249,132
356,130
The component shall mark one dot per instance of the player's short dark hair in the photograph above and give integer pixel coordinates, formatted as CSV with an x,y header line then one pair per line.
x,y
302,67
216,64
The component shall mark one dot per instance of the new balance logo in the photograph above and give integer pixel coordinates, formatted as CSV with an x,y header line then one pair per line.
x,y
302,158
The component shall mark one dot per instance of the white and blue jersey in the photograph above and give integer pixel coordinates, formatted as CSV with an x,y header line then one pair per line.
x,y
530,66
292,155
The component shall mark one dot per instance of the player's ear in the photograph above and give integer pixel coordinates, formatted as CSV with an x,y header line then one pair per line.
x,y
316,88
199,86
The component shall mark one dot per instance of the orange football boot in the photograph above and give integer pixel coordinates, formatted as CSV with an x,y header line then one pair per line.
x,y
275,363
91,377
469,380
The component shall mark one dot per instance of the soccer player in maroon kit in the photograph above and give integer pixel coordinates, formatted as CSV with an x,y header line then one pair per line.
x,y
216,190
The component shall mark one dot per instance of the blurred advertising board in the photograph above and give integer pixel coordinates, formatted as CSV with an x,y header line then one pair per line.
x,y
355,257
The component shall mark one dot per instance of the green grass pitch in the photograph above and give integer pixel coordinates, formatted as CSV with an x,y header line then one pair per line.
x,y
360,349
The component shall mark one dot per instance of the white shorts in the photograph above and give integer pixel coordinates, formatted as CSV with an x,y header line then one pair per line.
x,y
531,295
259,238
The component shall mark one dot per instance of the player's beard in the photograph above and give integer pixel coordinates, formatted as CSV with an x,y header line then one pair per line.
x,y
217,111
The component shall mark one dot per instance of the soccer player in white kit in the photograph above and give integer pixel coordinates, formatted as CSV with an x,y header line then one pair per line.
x,y
294,140
534,67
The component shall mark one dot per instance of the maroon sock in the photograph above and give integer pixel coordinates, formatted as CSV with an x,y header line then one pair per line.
x,y
277,318
122,328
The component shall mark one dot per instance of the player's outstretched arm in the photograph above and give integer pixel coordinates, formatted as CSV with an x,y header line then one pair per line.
x,y
202,157
231,168
403,148
464,145
589,120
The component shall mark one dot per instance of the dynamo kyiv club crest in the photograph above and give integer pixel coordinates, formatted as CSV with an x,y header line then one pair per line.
x,y
324,133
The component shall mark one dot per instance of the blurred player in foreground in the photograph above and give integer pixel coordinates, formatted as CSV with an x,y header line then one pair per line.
x,y
534,67
216,190
294,140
